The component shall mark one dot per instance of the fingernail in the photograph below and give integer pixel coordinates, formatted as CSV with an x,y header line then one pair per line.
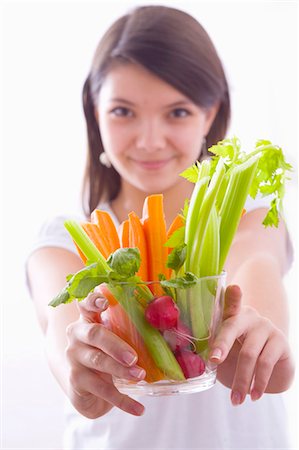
x,y
236,398
255,395
129,358
101,303
216,354
137,372
138,409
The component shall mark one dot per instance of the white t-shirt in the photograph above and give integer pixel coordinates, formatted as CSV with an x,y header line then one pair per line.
x,y
206,420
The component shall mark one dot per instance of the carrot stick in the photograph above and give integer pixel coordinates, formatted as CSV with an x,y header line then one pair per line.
x,y
107,228
97,237
155,233
177,223
123,232
81,254
137,239
123,327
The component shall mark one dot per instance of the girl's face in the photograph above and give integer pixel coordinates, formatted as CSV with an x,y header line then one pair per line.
x,y
150,131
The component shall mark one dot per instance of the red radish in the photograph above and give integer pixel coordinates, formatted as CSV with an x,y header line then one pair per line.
x,y
162,313
178,337
191,364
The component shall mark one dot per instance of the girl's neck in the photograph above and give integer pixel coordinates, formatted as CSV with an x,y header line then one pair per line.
x,y
131,199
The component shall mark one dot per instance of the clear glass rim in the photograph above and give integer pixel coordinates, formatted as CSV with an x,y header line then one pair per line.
x,y
221,276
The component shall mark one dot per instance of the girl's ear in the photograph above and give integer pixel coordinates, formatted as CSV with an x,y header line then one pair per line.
x,y
210,116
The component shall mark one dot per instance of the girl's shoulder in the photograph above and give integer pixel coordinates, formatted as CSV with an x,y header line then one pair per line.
x,y
52,233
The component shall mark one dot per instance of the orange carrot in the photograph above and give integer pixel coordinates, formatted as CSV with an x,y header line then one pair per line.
x,y
97,237
123,327
137,239
81,254
123,232
155,233
177,223
107,228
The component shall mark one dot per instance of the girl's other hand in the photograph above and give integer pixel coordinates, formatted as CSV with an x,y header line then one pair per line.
x,y
95,354
251,351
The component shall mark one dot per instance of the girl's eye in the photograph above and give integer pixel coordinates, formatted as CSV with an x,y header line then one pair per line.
x,y
121,111
180,112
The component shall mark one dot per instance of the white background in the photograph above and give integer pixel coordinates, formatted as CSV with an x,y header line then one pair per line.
x,y
47,52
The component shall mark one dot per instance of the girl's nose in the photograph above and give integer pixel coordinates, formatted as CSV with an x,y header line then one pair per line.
x,y
151,136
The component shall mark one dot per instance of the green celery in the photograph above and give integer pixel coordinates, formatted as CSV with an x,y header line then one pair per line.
x,y
202,300
193,214
196,237
85,244
209,258
239,184
196,242
153,339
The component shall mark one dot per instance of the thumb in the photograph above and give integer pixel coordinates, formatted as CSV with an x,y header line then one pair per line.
x,y
92,306
232,301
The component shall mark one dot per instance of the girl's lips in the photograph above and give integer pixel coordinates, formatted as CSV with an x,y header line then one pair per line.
x,y
152,165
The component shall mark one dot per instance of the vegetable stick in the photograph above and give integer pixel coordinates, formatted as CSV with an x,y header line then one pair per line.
x,y
155,233
81,254
97,237
137,239
177,223
233,204
86,245
123,327
107,228
153,340
123,232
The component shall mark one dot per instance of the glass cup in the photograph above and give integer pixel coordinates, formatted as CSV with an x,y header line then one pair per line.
x,y
171,329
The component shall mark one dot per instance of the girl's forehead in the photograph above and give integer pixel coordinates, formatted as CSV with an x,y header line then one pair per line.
x,y
133,80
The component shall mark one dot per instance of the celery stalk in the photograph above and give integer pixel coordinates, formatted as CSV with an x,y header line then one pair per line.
x,y
85,244
193,214
202,301
199,241
154,341
240,181
209,257
197,233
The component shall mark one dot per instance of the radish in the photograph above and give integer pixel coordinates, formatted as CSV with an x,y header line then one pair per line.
x,y
191,364
162,313
178,337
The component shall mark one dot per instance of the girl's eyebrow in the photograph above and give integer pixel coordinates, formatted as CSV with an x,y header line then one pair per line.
x,y
170,105
180,103
121,100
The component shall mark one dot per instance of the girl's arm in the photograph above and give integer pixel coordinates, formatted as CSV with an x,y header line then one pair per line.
x,y
257,262
82,353
256,357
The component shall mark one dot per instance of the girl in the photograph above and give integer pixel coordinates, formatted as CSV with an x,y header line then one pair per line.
x,y
155,98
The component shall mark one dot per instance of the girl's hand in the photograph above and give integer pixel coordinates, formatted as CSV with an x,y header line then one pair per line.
x,y
95,354
252,353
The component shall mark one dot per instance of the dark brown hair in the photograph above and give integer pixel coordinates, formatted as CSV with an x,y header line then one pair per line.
x,y
170,44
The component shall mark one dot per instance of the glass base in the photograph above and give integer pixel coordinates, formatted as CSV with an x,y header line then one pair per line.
x,y
167,387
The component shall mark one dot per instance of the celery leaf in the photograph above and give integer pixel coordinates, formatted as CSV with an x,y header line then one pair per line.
x,y
177,257
191,174
125,262
188,280
177,238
